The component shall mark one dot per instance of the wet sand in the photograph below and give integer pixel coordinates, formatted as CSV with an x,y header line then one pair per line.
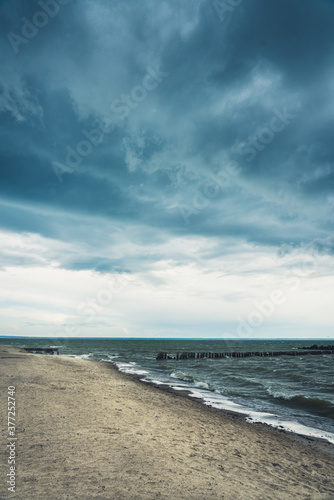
x,y
85,430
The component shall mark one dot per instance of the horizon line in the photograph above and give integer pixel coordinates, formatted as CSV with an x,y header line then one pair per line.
x,y
161,338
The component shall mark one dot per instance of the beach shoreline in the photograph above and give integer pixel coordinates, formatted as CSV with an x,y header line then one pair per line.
x,y
86,430
317,442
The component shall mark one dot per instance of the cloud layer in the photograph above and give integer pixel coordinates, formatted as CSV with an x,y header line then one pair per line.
x,y
185,145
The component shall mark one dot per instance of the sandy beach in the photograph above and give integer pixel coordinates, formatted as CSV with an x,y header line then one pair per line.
x,y
85,430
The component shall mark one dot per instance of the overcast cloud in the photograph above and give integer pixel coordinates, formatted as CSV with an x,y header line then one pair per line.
x,y
183,148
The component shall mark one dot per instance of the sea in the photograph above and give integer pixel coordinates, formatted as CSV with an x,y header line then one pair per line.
x,y
294,393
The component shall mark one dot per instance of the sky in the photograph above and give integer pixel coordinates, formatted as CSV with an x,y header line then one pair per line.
x,y
167,168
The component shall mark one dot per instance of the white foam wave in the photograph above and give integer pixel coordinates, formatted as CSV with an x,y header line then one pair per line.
x,y
290,426
221,402
80,356
202,385
129,368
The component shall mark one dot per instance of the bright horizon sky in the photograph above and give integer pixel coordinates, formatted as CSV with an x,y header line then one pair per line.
x,y
167,169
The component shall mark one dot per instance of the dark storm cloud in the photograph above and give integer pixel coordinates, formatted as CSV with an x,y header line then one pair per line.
x,y
66,147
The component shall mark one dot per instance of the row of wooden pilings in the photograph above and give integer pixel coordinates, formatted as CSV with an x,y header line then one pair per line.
x,y
217,355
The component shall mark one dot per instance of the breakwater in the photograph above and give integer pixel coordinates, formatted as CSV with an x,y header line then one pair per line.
x,y
236,354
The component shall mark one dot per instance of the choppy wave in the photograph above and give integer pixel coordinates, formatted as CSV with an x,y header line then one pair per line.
x,y
182,376
318,406
201,384
246,380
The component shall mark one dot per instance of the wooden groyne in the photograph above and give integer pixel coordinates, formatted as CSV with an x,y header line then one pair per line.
x,y
321,347
236,354
46,350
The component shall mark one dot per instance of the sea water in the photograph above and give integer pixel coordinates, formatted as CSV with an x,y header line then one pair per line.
x,y
295,393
